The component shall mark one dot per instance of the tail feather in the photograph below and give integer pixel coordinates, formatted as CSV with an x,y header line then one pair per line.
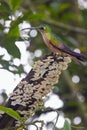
x,y
79,59
79,56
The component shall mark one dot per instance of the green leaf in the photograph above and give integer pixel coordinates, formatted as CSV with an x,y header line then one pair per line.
x,y
10,112
14,4
67,125
64,7
14,32
9,45
37,16
5,11
5,64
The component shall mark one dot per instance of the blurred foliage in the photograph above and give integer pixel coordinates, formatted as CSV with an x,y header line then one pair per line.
x,y
66,126
64,16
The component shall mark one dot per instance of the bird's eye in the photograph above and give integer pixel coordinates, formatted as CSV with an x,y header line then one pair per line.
x,y
41,28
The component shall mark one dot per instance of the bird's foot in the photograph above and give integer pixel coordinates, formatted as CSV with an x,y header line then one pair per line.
x,y
58,57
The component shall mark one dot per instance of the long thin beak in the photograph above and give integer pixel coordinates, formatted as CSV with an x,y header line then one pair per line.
x,y
31,28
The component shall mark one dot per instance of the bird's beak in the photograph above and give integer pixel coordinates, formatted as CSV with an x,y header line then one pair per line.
x,y
31,28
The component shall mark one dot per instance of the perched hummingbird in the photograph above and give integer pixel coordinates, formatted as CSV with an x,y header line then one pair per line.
x,y
56,44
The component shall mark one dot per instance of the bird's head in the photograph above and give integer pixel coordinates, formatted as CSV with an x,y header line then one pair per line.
x,y
44,28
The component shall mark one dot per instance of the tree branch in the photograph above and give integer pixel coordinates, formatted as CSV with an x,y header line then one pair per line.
x,y
67,27
27,96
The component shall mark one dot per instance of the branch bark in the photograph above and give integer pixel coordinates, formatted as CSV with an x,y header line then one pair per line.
x,y
27,96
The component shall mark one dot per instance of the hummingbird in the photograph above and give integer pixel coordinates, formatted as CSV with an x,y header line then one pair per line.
x,y
56,45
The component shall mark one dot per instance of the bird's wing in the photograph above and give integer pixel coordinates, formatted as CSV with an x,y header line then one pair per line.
x,y
62,48
66,50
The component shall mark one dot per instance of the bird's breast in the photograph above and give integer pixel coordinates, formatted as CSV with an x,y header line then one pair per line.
x,y
48,42
46,38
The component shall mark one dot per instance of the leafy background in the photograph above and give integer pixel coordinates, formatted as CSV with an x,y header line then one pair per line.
x,y
68,20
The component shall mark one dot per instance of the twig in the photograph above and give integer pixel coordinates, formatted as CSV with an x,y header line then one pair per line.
x,y
67,27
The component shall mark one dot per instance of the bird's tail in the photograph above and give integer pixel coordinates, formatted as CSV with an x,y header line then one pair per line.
x,y
75,55
79,56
